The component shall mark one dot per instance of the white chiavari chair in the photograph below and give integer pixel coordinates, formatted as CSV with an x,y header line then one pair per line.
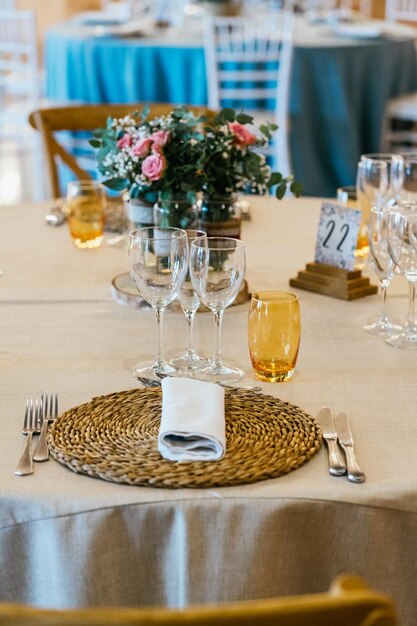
x,y
400,124
248,64
20,87
404,10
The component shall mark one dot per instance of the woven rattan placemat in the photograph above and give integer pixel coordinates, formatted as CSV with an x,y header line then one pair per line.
x,y
114,437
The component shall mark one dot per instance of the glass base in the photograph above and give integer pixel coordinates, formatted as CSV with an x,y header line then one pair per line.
x,y
383,328
274,377
403,340
152,369
88,244
188,362
218,373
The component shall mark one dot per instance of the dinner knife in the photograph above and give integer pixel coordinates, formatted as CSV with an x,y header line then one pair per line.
x,y
337,465
345,437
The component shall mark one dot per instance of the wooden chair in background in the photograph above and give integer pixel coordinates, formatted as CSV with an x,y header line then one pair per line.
x,y
348,603
82,119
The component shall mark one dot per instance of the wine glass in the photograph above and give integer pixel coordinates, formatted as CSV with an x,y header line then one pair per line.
x,y
402,245
385,192
158,259
408,192
383,266
217,268
189,302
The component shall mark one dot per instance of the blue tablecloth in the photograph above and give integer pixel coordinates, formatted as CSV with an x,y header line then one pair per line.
x,y
337,99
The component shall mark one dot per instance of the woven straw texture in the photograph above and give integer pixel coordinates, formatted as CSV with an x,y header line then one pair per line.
x,y
114,437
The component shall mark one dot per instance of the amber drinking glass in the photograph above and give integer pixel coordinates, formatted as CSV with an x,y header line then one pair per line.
x,y
85,206
274,330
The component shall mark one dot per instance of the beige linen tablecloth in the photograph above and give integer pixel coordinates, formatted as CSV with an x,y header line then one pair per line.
x,y
71,540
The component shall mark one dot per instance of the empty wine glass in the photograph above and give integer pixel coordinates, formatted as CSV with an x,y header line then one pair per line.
x,y
372,183
189,302
408,192
217,269
383,265
385,192
402,245
158,259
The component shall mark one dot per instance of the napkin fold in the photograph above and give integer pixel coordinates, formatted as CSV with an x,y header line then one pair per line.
x,y
193,425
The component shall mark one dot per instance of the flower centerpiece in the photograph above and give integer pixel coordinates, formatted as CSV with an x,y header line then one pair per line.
x,y
174,157
152,159
233,161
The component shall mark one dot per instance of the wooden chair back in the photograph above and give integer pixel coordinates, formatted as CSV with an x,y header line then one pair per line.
x,y
348,603
83,118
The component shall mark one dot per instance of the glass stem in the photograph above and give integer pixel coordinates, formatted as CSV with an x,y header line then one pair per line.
x,y
383,315
218,317
159,312
411,323
189,316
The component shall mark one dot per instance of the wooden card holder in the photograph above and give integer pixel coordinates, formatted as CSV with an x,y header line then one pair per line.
x,y
333,281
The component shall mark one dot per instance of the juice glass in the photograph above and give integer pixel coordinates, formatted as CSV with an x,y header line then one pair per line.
x,y
85,204
274,329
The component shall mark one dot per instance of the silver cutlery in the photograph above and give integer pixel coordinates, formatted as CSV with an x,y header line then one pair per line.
x,y
337,465
344,434
156,382
56,216
31,425
49,403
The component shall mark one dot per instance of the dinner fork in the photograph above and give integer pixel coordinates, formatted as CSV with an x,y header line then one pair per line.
x,y
31,425
50,413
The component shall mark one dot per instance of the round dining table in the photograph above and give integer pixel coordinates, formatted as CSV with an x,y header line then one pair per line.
x,y
341,81
70,540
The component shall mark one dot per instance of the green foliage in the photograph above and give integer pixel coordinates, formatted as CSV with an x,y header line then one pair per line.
x,y
218,156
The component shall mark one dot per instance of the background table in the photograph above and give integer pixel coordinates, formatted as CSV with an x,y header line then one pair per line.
x,y
71,540
339,86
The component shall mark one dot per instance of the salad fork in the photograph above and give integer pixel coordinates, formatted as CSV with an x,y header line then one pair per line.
x,y
31,425
50,413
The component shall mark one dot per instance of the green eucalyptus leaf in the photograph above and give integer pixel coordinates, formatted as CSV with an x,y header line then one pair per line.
x,y
265,131
225,115
95,143
296,189
275,179
280,191
243,118
117,184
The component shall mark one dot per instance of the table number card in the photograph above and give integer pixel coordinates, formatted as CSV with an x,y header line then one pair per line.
x,y
337,236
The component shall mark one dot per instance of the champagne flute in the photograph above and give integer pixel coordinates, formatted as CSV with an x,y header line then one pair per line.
x,y
402,245
383,266
189,302
217,268
158,263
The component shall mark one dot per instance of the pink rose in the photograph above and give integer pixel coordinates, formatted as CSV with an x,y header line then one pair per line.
x,y
154,166
242,136
142,148
161,137
157,149
125,141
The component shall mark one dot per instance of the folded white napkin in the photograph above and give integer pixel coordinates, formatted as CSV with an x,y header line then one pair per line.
x,y
192,422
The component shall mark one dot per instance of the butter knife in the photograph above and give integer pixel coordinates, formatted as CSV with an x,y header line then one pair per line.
x,y
337,465
345,437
